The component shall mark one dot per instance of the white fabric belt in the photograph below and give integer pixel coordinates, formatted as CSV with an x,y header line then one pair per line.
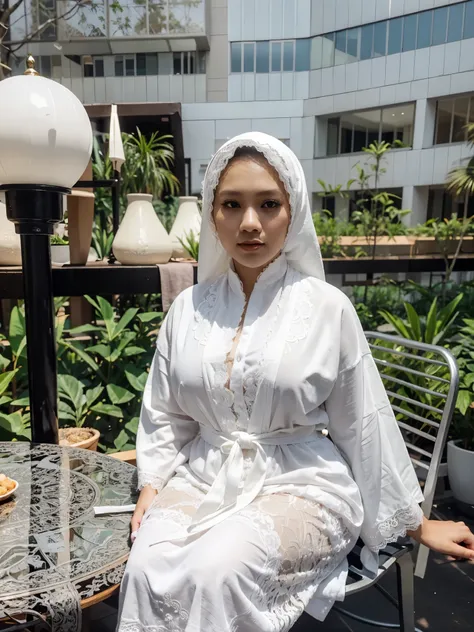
x,y
235,486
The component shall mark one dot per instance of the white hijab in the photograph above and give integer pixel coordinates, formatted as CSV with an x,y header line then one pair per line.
x,y
301,247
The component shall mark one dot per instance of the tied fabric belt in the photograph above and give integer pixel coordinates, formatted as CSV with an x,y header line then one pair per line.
x,y
236,485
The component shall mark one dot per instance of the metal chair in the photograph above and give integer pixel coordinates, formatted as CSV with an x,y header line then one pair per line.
x,y
422,383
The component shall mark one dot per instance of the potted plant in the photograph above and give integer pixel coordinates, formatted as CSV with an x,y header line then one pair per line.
x,y
146,174
190,245
59,250
461,445
76,405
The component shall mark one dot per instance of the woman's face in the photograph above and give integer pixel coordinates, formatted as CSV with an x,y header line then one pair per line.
x,y
251,212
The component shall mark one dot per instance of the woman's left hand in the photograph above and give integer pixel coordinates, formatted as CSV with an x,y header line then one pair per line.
x,y
447,537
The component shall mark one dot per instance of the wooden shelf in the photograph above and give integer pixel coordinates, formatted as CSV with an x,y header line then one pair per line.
x,y
104,279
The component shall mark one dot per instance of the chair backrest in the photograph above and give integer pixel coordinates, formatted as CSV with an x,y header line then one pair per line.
x,y
422,382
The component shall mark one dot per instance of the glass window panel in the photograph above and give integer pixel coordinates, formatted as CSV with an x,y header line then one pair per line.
x,y
328,50
409,32
380,39
83,21
186,69
302,54
316,53
366,41
341,41
333,136
425,21
88,70
440,19
165,64
461,109
443,121
276,56
263,56
395,36
456,15
201,62
469,20
130,21
288,56
141,64
129,67
157,16
99,67
397,125
177,65
346,137
353,36
46,66
249,57
119,66
185,16
236,57
360,138
151,64
470,118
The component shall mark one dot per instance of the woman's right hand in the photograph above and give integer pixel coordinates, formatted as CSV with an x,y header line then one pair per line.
x,y
145,499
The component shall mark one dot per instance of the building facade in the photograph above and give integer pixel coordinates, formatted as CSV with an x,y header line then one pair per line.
x,y
325,76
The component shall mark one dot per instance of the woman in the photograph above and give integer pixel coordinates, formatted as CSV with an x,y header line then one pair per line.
x,y
248,509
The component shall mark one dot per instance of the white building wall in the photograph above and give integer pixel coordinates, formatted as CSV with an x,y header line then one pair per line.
x,y
251,20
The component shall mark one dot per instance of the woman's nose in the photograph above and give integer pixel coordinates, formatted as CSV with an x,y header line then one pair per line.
x,y
250,220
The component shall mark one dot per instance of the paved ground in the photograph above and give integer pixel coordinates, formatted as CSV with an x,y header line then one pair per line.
x,y
444,600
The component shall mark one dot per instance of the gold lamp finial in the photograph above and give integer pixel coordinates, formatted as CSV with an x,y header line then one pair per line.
x,y
31,70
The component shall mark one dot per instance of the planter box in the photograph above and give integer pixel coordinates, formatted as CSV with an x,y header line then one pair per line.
x,y
429,246
398,246
461,472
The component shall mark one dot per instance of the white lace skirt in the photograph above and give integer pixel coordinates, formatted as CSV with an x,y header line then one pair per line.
x,y
256,570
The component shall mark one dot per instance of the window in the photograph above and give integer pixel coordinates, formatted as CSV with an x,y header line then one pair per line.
x,y
151,64
130,66
119,66
141,64
341,47
440,21
88,66
302,54
288,56
455,20
351,132
236,57
366,41
409,32
469,20
425,21
249,57
316,53
353,36
177,64
452,116
395,36
98,67
328,50
276,56
263,56
380,39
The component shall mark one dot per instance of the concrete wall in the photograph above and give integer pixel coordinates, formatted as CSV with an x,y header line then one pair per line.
x,y
251,20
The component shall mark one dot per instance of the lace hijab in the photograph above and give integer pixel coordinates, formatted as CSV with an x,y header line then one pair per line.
x,y
301,247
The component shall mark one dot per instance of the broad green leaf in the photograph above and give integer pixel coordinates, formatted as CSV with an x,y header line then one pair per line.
x,y
107,409
65,412
5,379
147,317
124,321
137,382
103,350
396,322
92,302
121,440
4,362
93,395
132,425
414,320
119,395
464,401
23,402
107,314
469,379
17,330
72,388
431,322
77,349
4,399
132,351
14,422
447,312
83,329
21,346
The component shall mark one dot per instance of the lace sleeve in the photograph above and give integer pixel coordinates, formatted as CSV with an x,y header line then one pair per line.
x,y
151,479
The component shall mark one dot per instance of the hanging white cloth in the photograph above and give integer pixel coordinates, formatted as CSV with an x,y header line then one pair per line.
x,y
252,447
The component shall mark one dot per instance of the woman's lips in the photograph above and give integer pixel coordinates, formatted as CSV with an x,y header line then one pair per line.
x,y
251,247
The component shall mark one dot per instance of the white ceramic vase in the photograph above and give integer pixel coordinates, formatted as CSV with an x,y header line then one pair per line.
x,y
10,245
187,219
461,472
141,238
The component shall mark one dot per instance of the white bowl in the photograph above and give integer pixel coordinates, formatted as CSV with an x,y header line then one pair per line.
x,y
10,493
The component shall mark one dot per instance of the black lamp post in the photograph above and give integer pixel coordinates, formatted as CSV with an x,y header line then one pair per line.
x,y
35,209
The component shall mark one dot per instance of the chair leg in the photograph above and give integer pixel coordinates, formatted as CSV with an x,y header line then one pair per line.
x,y
406,593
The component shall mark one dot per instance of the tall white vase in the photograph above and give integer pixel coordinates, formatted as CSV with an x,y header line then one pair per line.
x,y
10,245
141,238
187,219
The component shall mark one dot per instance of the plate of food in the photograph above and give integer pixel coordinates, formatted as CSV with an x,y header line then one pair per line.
x,y
7,487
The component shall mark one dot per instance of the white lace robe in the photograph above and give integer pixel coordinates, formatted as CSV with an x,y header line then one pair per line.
x,y
249,450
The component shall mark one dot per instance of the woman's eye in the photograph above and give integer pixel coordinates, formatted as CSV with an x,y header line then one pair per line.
x,y
230,204
271,204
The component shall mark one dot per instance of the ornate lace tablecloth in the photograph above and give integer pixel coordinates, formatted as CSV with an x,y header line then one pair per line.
x,y
53,551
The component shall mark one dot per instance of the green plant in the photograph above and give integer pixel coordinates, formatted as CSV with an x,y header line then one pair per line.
x,y
386,294
191,244
462,427
167,209
56,240
102,169
329,231
102,241
148,163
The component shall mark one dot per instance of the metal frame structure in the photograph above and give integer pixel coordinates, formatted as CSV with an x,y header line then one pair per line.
x,y
416,418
